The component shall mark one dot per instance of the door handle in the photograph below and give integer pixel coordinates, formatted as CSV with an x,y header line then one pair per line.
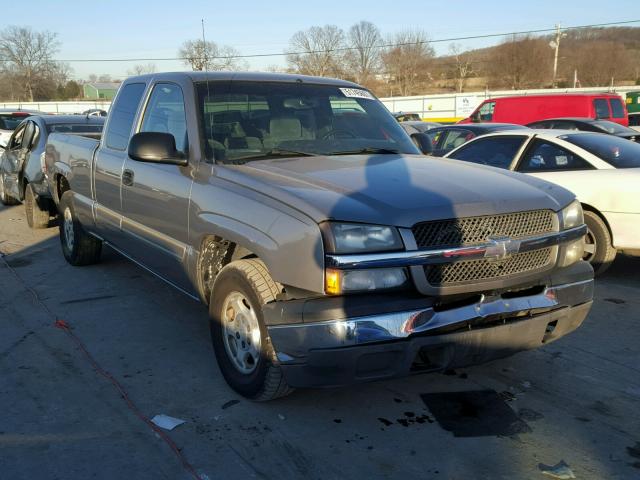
x,y
127,178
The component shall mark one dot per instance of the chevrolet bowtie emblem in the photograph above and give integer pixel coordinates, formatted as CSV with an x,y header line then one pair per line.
x,y
501,248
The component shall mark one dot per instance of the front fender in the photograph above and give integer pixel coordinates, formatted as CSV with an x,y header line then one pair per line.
x,y
289,243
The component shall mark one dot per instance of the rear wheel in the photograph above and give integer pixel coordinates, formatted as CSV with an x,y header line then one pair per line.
x,y
36,216
598,250
5,198
78,247
240,339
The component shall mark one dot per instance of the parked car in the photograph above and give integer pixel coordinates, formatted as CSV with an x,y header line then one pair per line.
x,y
328,249
418,126
588,125
447,137
524,109
602,170
407,117
9,120
22,177
95,112
633,109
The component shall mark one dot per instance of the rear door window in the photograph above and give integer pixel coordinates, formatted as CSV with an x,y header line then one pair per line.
x,y
29,132
545,156
602,108
122,116
617,110
494,151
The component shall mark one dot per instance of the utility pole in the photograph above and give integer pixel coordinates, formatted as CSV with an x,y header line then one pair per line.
x,y
555,44
205,63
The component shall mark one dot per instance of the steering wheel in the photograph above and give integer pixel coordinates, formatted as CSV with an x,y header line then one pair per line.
x,y
338,133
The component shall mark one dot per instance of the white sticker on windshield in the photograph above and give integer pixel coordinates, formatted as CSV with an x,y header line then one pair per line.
x,y
357,93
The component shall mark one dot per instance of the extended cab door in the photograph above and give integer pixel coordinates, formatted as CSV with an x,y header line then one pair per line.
x,y
110,159
156,196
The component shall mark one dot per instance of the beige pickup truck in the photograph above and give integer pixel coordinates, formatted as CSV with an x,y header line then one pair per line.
x,y
328,248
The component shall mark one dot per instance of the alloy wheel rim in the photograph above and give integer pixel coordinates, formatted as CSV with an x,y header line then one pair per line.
x,y
69,235
241,333
590,246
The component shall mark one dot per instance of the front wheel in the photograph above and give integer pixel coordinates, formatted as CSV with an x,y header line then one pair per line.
x,y
598,250
78,247
240,339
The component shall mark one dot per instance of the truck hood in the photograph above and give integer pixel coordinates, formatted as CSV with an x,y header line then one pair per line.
x,y
398,190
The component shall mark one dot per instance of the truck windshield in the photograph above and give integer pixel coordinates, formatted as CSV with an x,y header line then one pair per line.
x,y
245,121
616,151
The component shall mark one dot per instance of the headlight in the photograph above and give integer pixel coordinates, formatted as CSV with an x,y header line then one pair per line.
x,y
348,281
571,216
359,238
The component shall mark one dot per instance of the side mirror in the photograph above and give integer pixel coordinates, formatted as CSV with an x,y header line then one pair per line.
x,y
155,147
423,142
475,117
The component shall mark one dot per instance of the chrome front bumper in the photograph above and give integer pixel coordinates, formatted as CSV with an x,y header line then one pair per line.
x,y
512,324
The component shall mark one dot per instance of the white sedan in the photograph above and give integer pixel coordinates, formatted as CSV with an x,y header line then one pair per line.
x,y
602,170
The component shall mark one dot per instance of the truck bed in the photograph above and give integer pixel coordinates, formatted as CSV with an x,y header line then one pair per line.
x,y
72,156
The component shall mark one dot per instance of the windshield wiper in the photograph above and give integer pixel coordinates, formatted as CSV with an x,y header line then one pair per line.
x,y
372,150
276,152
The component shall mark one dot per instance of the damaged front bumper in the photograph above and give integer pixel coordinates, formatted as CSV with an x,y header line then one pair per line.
x,y
359,346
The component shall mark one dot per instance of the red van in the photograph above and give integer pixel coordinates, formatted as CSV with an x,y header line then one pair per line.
x,y
531,108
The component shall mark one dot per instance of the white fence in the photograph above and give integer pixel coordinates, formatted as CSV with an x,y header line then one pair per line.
x,y
58,107
439,107
455,106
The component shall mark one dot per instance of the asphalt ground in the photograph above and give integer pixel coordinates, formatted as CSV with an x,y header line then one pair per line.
x,y
574,401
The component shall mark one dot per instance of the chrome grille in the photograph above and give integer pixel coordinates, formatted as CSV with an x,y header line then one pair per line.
x,y
470,230
474,270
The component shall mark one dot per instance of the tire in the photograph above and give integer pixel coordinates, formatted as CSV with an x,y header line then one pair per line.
x,y
78,247
245,286
599,249
5,198
36,217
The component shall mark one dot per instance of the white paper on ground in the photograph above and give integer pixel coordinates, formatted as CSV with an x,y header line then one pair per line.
x,y
167,422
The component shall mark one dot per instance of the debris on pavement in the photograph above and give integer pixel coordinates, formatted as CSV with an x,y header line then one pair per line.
x,y
167,422
560,470
230,403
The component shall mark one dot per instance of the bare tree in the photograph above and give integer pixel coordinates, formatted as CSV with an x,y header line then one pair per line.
x,y
364,40
142,69
520,62
201,55
408,60
462,66
28,56
317,51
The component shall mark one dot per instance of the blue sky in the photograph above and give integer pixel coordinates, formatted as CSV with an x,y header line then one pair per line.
x,y
126,29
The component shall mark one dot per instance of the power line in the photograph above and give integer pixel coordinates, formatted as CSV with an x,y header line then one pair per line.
x,y
345,49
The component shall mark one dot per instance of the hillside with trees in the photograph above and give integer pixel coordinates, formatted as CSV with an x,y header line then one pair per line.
x,y
398,63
